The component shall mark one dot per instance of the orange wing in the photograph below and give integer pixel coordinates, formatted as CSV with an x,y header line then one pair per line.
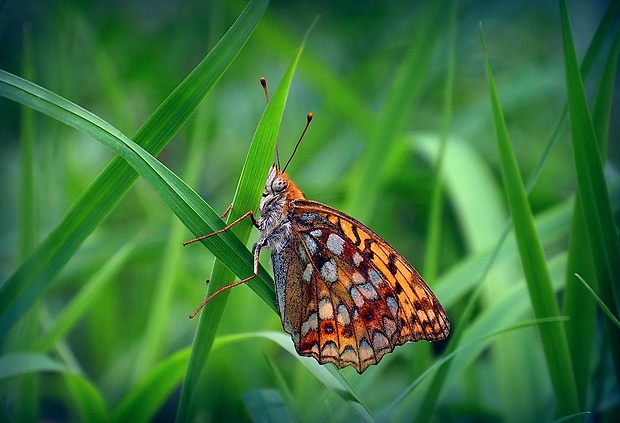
x,y
357,298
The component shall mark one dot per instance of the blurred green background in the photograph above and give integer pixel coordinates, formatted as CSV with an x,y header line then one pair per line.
x,y
120,60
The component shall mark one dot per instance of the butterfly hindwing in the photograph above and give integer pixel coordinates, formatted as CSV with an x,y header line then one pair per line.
x,y
355,298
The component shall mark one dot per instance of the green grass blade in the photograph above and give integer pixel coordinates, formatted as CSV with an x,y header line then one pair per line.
x,y
580,330
340,98
246,198
572,417
470,273
600,302
533,262
145,398
14,364
594,50
26,405
89,401
282,385
433,244
472,197
551,225
28,282
461,279
327,375
27,215
266,405
368,177
158,323
601,110
595,202
388,413
182,200
74,311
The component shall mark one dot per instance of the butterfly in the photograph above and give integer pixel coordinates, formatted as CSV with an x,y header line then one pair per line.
x,y
344,294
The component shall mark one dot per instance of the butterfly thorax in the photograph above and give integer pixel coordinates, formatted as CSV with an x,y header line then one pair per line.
x,y
274,223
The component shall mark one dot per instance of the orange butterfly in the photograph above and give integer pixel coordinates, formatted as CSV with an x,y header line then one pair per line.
x,y
344,294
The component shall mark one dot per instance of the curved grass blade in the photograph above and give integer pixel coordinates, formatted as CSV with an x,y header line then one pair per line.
x,y
90,402
27,283
327,375
266,405
573,417
595,203
387,414
25,407
580,331
600,302
246,198
88,399
282,385
433,247
20,363
82,301
182,200
403,92
340,98
543,300
146,398
432,396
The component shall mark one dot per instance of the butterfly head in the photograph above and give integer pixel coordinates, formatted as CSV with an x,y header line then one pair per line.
x,y
279,188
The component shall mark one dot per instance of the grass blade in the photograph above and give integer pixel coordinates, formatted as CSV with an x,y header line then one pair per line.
x,y
27,283
182,200
580,329
433,245
388,413
595,202
74,311
14,364
158,324
266,405
405,89
26,405
246,198
142,402
327,375
89,401
533,262
600,302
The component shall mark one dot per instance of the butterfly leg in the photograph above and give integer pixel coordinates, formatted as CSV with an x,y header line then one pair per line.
x,y
227,227
223,215
232,285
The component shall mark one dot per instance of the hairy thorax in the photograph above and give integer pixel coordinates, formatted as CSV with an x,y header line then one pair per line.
x,y
274,224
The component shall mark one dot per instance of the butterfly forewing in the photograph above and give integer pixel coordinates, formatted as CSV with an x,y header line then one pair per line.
x,y
348,297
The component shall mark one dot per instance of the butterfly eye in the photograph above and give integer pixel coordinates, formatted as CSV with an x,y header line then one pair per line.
x,y
279,185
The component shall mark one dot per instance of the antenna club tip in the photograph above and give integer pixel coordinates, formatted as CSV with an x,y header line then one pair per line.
x,y
263,81
309,117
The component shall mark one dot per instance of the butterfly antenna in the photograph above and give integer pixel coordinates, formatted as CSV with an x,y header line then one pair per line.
x,y
263,82
308,120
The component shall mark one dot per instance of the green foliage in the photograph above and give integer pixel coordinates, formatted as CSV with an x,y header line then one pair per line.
x,y
533,260
93,311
